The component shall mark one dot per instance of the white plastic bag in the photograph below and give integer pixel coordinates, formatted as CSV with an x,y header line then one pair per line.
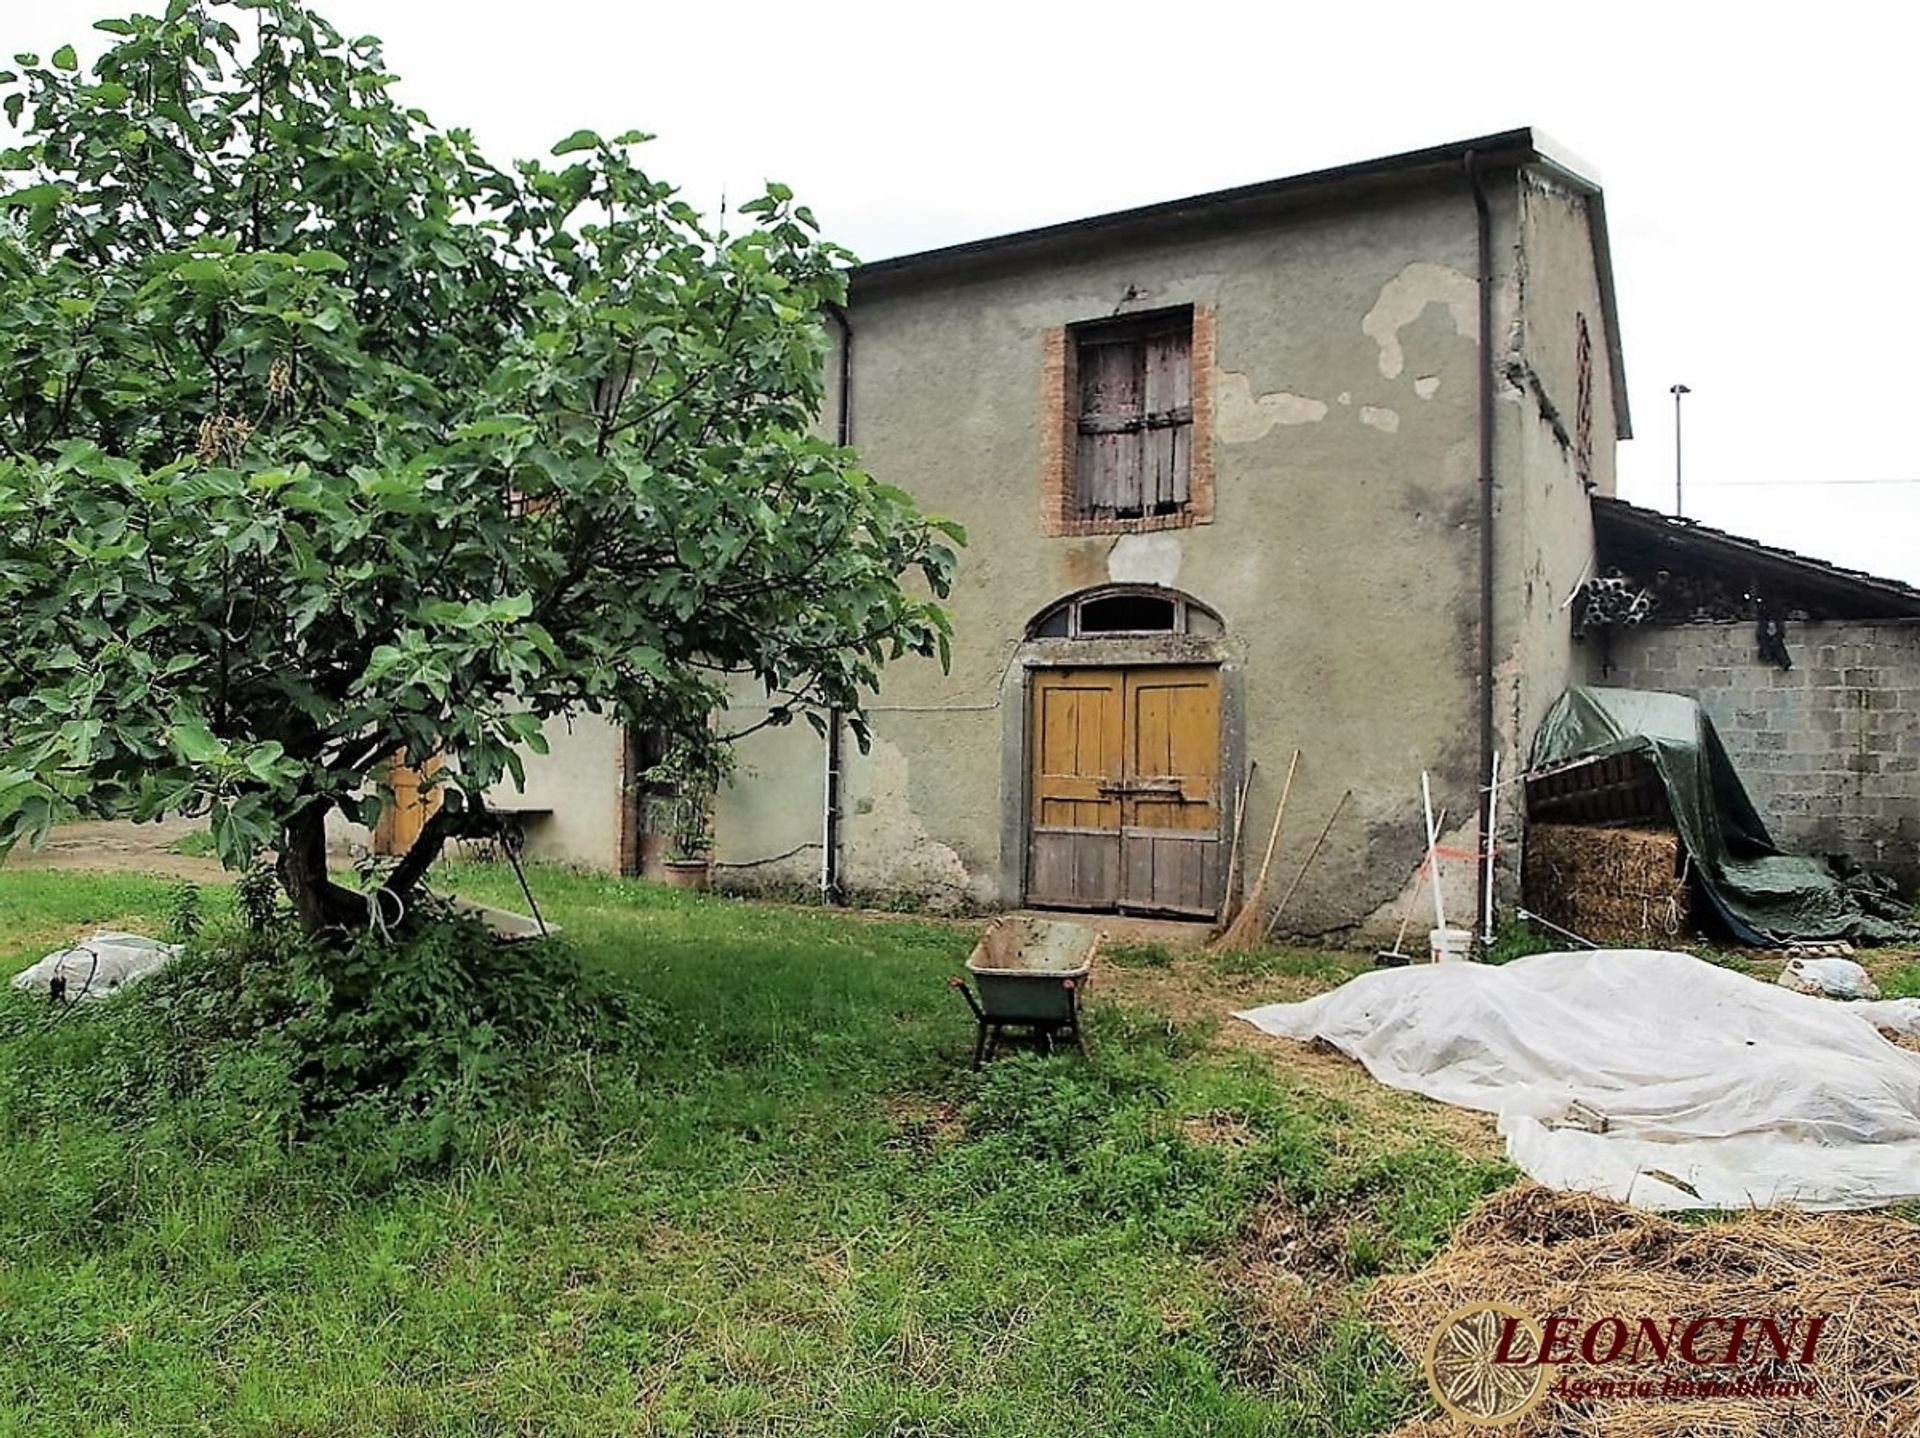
x,y
97,966
1836,978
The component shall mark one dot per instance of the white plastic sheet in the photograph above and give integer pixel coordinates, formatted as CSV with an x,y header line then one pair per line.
x,y
97,966
1717,1090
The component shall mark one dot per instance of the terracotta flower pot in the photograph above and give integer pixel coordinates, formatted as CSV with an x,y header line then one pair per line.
x,y
686,873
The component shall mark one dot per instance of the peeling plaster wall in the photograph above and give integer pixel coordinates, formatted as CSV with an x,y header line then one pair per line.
x,y
1407,296
1343,553
1343,556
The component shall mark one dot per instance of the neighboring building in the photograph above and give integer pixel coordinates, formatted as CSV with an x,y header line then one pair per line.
x,y
1810,672
1227,477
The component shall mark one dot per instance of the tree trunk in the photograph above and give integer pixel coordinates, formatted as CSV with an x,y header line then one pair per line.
x,y
444,823
320,904
327,910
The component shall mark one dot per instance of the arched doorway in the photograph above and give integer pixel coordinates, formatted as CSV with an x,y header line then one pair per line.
x,y
1125,806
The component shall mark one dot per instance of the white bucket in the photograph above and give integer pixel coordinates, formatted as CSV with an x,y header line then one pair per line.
x,y
1450,945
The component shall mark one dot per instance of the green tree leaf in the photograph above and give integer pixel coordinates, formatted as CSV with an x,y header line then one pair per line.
x,y
195,742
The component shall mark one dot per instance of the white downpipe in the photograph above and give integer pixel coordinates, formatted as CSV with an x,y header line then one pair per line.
x,y
828,782
1433,853
1493,829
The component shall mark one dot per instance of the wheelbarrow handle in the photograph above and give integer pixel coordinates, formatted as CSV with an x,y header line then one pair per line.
x,y
956,982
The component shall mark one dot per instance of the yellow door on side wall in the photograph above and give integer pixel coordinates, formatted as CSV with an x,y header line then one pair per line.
x,y
408,804
1125,790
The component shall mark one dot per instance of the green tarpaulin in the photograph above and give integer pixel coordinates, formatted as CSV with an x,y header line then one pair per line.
x,y
1764,896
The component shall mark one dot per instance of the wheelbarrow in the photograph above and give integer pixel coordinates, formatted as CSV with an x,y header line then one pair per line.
x,y
1030,974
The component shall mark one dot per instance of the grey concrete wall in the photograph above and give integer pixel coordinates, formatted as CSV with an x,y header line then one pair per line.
x,y
1343,555
1830,750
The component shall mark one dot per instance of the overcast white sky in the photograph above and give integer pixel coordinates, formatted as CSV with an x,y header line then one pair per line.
x,y
1758,163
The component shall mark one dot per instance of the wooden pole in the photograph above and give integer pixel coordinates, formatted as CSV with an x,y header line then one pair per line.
x,y
1239,831
1278,814
1433,854
1280,907
1406,918
1493,821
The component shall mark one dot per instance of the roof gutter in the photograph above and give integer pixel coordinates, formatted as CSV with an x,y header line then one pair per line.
x,y
1483,240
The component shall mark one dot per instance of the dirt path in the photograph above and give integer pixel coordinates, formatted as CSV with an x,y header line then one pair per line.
x,y
117,846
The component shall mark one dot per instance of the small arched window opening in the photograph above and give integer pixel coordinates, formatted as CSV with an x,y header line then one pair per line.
x,y
1125,611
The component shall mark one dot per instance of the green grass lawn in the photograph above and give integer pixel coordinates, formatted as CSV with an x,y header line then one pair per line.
x,y
790,1210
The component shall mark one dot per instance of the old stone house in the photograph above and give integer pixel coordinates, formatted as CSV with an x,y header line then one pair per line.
x,y
1303,465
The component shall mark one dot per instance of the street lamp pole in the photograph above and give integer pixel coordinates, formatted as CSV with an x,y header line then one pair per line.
x,y
1678,392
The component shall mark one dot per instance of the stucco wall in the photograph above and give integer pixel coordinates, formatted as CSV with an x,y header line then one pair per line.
x,y
1343,556
574,793
1830,750
771,821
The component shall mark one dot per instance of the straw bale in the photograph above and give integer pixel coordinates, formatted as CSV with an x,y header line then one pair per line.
x,y
1611,885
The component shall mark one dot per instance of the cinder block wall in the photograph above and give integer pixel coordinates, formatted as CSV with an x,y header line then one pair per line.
x,y
1830,750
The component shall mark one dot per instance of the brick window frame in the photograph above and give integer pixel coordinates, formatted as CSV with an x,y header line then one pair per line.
x,y
1059,399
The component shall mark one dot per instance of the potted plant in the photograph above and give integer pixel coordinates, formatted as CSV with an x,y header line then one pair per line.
x,y
689,859
683,813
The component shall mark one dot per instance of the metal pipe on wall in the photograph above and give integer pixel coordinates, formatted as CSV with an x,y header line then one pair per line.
x,y
1483,238
830,888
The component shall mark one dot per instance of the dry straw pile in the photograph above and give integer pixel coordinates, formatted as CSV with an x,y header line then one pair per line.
x,y
1611,885
1552,1253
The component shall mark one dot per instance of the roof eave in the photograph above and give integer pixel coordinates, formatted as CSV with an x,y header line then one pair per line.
x,y
1902,600
1506,148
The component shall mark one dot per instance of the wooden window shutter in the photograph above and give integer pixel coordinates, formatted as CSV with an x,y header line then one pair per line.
x,y
1168,437
1134,418
1111,398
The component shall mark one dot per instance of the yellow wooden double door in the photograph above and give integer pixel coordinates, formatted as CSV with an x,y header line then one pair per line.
x,y
1125,789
